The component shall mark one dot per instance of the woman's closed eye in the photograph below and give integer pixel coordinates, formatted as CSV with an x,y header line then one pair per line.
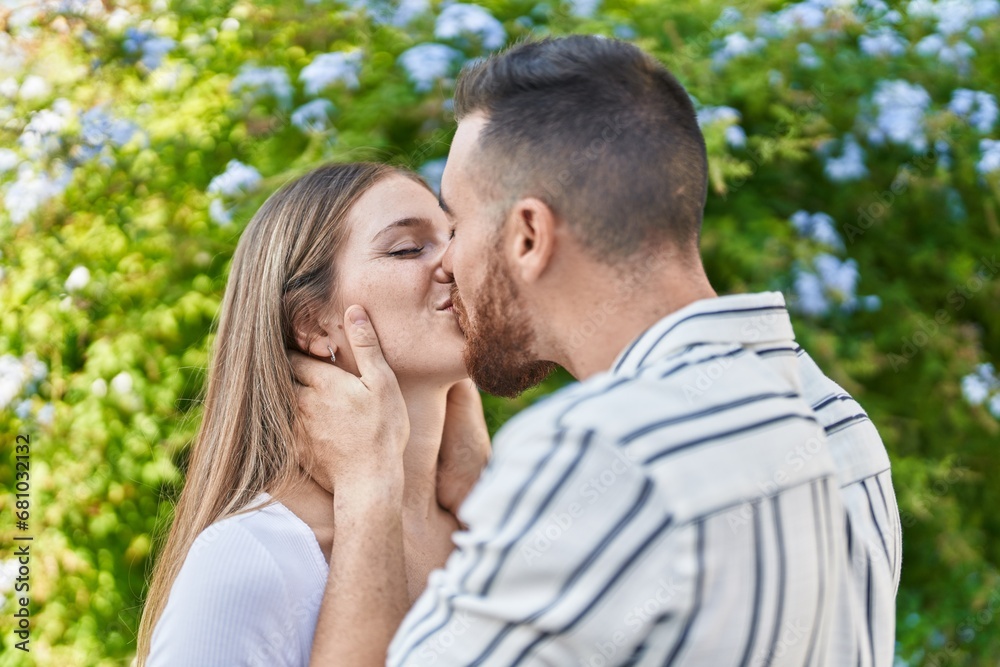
x,y
406,251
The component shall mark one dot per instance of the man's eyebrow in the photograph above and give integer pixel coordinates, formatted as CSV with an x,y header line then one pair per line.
x,y
444,207
404,222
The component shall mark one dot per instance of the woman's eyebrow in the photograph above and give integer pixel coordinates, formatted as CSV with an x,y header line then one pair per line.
x,y
404,222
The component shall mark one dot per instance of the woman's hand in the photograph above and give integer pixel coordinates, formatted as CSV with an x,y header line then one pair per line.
x,y
465,445
351,430
355,431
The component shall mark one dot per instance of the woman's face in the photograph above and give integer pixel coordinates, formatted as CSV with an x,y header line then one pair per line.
x,y
390,264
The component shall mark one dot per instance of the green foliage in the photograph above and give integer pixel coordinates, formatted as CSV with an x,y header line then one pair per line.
x,y
124,340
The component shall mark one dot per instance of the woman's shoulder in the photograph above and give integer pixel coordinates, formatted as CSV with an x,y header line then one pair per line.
x,y
267,537
249,587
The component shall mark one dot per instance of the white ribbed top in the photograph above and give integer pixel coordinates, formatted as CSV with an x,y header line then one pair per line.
x,y
248,594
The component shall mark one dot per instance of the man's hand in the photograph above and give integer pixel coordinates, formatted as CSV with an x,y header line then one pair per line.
x,y
465,445
352,430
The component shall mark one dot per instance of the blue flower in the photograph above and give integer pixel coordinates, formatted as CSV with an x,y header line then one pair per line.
x,y
19,377
407,10
33,188
219,213
237,179
830,282
98,129
729,16
900,106
977,107
41,136
989,161
882,42
735,136
313,116
259,82
399,14
425,64
809,294
45,414
849,166
808,15
23,409
150,47
954,16
8,160
807,56
722,114
330,68
736,45
584,8
958,54
459,20
980,384
818,227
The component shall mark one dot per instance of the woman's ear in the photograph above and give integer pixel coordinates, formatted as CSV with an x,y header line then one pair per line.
x,y
317,343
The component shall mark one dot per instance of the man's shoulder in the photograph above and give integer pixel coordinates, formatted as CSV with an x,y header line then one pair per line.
x,y
698,379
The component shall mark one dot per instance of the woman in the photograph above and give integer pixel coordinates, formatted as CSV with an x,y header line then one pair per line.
x,y
243,572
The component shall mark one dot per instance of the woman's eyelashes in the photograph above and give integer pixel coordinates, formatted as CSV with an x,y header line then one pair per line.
x,y
405,252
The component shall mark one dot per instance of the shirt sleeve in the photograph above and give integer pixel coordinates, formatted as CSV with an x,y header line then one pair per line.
x,y
552,562
228,606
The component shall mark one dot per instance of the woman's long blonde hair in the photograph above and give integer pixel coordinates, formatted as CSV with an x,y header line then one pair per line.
x,y
281,278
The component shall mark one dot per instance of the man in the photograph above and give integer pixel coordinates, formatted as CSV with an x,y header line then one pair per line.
x,y
704,495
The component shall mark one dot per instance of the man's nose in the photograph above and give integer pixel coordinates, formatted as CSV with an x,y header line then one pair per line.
x,y
443,271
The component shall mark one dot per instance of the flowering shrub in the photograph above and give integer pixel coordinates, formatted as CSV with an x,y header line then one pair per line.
x,y
854,165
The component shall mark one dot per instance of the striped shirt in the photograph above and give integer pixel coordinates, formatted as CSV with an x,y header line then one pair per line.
x,y
709,500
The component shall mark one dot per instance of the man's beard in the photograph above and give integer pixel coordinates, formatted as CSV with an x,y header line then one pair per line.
x,y
498,345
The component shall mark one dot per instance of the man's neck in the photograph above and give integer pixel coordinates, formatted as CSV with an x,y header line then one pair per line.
x,y
600,328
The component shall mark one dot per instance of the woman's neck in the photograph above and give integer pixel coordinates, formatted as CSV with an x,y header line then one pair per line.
x,y
425,407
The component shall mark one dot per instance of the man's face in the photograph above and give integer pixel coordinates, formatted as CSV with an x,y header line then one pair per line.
x,y
500,354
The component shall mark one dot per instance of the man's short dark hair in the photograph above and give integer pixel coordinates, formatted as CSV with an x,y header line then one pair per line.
x,y
597,129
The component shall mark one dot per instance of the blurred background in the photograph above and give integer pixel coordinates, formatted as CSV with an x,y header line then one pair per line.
x,y
855,166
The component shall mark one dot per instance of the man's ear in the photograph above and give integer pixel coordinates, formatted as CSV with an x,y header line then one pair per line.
x,y
533,227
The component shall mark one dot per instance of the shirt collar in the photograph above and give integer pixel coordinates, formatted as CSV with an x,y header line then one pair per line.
x,y
739,318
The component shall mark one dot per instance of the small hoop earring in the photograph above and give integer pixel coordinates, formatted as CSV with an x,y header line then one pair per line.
x,y
333,357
